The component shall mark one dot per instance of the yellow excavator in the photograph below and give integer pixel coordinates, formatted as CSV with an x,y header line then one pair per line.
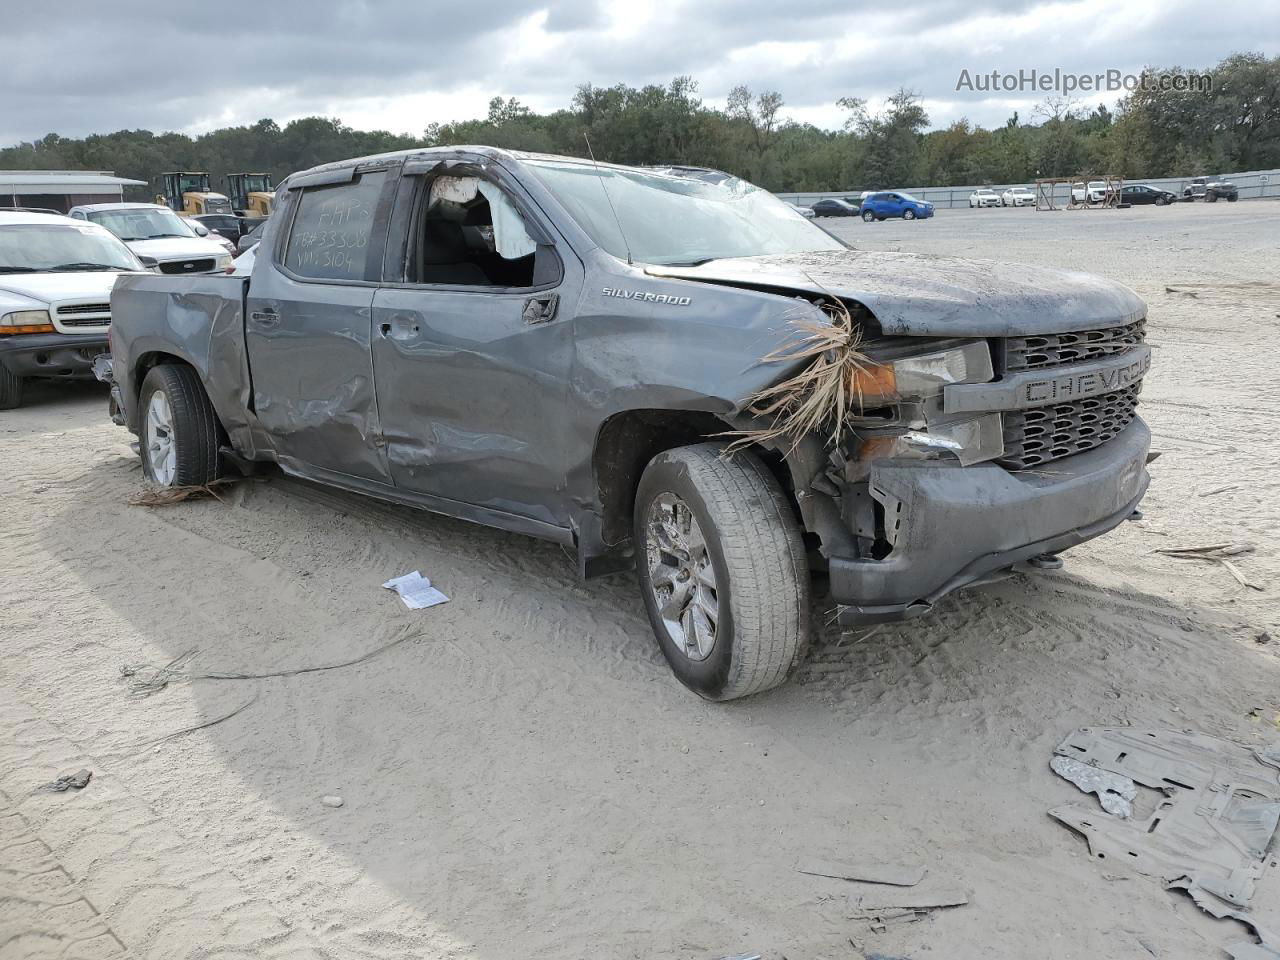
x,y
252,194
190,194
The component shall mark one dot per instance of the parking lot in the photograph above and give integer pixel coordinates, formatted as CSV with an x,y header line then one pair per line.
x,y
522,777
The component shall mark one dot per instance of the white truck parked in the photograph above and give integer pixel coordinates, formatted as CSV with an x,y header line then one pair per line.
x,y
56,276
153,230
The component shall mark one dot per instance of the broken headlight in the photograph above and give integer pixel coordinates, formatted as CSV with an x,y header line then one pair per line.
x,y
898,408
918,377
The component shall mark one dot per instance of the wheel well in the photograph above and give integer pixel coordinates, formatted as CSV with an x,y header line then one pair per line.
x,y
142,367
153,359
628,441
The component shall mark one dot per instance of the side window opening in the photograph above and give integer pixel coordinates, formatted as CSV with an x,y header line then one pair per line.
x,y
470,233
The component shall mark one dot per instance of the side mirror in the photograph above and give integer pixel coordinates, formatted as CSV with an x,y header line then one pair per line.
x,y
149,262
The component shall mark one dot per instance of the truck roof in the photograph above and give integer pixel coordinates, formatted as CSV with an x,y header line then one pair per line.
x,y
141,205
495,153
9,218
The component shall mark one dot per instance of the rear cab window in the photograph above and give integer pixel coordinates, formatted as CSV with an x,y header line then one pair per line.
x,y
332,228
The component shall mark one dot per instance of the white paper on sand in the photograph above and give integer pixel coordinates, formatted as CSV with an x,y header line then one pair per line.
x,y
416,591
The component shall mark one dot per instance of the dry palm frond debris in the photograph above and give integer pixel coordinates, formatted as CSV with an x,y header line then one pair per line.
x,y
815,399
1216,553
167,496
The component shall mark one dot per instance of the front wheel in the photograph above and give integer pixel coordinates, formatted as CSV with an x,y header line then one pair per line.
x,y
180,433
908,214
723,570
1210,197
1161,201
868,216
1233,198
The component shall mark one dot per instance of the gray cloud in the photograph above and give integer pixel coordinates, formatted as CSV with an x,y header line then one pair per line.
x,y
160,67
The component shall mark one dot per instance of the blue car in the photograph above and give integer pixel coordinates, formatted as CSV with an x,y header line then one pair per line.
x,y
890,203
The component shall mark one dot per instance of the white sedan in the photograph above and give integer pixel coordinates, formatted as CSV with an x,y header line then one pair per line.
x,y
1018,197
984,197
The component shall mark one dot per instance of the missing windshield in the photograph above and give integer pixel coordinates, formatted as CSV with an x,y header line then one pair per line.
x,y
672,220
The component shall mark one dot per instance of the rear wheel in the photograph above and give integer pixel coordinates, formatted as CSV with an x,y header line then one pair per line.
x,y
1210,197
10,388
1232,198
180,433
722,570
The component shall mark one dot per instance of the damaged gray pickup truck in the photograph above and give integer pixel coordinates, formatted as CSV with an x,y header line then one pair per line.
x,y
565,349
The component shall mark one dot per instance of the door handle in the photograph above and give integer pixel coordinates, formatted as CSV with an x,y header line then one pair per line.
x,y
400,328
540,309
265,318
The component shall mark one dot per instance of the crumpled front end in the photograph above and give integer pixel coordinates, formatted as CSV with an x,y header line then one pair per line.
x,y
967,457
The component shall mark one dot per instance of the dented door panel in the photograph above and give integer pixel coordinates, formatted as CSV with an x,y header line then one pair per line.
x,y
308,325
472,398
313,388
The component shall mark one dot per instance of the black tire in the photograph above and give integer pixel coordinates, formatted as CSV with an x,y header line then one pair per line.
x,y
196,432
10,388
1232,198
868,216
757,554
908,214
1161,201
1210,197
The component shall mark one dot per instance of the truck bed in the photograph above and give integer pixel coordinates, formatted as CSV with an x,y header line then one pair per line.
x,y
197,319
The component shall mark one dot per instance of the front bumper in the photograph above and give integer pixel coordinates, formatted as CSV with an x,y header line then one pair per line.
x,y
962,525
103,370
61,355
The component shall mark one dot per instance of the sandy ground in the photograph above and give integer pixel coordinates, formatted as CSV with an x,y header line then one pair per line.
x,y
522,778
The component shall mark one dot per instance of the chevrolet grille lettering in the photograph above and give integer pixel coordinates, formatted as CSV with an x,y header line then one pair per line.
x,y
1071,386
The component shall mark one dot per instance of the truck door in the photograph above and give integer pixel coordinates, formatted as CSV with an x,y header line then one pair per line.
x,y
472,344
308,324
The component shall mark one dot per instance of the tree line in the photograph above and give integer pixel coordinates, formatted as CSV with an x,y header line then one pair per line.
x,y
1153,132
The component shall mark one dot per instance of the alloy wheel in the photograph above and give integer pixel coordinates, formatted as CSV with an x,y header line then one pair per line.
x,y
681,576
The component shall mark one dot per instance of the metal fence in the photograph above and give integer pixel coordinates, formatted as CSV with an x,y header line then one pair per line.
x,y
1253,185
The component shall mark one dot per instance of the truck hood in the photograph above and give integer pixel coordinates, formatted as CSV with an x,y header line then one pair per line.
x,y
177,248
914,294
24,291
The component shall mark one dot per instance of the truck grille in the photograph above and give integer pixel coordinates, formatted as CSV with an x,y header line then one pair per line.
x,y
81,317
187,266
71,309
1036,436
1053,349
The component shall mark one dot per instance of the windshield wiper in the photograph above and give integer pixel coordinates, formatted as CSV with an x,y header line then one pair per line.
x,y
162,236
689,263
84,266
17,269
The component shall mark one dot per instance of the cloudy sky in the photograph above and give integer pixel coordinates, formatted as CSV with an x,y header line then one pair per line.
x,y
401,64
